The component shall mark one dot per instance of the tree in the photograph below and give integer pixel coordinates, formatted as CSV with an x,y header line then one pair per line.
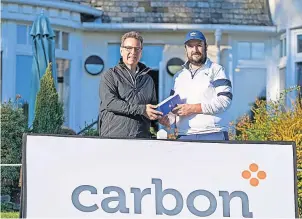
x,y
49,113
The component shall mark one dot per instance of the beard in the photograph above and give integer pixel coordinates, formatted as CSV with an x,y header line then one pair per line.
x,y
197,60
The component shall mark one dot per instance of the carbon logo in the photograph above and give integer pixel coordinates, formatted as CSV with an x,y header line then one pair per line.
x,y
254,175
158,193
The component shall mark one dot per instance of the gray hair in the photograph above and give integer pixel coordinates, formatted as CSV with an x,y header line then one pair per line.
x,y
132,34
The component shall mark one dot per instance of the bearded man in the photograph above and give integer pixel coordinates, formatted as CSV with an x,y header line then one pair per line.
x,y
206,93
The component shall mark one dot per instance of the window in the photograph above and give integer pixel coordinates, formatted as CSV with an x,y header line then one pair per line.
x,y
65,37
174,65
23,76
299,75
244,50
299,43
63,74
94,65
282,47
23,34
57,39
251,51
258,51
62,40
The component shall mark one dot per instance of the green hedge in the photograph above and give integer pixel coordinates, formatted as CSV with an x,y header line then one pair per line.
x,y
9,214
13,125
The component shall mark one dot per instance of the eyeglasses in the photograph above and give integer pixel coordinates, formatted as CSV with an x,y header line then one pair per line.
x,y
129,48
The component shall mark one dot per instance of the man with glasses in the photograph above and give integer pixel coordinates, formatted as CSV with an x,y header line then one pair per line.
x,y
127,93
206,93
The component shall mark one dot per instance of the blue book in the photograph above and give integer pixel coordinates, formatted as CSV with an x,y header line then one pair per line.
x,y
168,104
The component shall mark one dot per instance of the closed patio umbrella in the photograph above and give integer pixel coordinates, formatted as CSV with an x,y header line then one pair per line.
x,y
43,53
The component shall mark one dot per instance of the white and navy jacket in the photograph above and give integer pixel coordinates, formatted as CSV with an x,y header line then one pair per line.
x,y
210,87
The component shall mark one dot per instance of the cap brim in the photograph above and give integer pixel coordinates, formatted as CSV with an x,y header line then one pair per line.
x,y
193,39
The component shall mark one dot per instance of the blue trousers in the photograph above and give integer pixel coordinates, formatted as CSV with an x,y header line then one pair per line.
x,y
207,136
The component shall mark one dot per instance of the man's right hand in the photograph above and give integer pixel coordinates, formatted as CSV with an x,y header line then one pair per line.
x,y
151,113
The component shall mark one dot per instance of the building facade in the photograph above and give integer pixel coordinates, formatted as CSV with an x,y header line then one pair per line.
x,y
262,54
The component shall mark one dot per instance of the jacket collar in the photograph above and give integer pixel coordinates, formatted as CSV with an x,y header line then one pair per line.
x,y
207,64
142,69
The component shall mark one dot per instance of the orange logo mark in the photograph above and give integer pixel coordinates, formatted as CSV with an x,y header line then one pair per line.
x,y
253,168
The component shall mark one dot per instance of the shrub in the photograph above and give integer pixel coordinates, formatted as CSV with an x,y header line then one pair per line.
x,y
13,125
91,132
90,129
274,121
49,114
10,215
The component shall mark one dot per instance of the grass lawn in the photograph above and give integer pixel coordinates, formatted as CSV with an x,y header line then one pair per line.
x,y
9,215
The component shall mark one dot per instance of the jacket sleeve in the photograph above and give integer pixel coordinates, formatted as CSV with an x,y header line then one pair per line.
x,y
110,98
222,96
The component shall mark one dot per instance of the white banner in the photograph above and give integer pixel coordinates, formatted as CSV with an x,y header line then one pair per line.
x,y
117,178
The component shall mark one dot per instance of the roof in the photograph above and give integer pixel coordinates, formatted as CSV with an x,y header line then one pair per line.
x,y
235,12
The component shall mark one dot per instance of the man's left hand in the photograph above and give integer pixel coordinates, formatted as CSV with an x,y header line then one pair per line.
x,y
187,109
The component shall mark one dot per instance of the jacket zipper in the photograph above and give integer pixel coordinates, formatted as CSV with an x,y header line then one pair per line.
x,y
131,77
134,80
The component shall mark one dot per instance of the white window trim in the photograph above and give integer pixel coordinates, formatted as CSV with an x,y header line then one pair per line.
x,y
297,56
283,59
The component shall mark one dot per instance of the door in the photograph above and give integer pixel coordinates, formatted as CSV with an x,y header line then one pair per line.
x,y
248,85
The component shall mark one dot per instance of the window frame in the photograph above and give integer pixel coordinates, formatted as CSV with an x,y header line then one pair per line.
x,y
283,46
250,52
27,48
249,63
60,42
28,29
250,43
282,43
297,55
298,43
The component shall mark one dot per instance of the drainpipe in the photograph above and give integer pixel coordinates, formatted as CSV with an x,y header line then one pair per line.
x,y
217,44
